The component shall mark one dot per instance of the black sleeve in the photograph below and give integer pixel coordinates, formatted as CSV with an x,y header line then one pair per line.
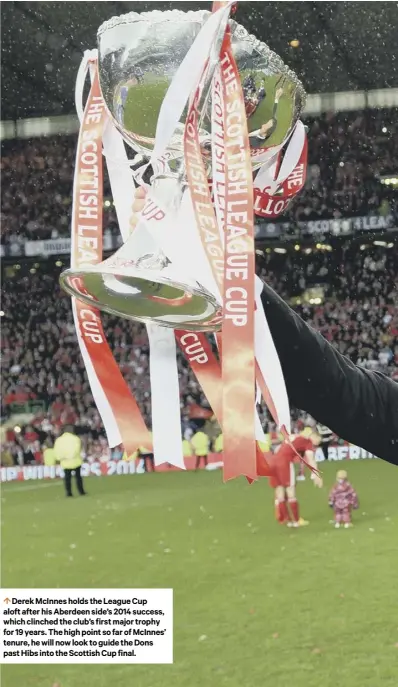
x,y
359,405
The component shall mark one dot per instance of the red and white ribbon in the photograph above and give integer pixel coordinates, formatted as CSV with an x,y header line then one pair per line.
x,y
238,360
119,411
275,188
215,246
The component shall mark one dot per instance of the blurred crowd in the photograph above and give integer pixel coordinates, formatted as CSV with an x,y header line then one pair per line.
x,y
346,291
347,153
358,289
353,307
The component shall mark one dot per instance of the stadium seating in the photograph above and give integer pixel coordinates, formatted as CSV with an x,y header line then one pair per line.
x,y
353,307
347,152
41,359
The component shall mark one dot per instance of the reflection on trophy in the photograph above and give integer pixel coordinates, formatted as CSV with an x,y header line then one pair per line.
x,y
205,105
138,57
140,53
145,290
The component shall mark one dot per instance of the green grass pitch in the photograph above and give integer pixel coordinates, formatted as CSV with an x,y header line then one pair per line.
x,y
255,604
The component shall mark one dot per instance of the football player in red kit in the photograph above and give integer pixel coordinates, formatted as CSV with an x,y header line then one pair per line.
x,y
283,476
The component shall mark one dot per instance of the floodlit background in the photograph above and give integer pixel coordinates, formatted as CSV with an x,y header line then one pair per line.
x,y
254,603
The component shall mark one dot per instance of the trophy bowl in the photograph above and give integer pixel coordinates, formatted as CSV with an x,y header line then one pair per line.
x,y
139,55
138,58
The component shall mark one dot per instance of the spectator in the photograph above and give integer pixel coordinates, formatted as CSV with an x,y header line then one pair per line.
x,y
42,361
347,154
356,310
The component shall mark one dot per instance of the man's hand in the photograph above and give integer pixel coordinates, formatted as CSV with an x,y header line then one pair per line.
x,y
318,481
137,207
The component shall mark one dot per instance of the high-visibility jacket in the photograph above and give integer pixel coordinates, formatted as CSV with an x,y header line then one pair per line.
x,y
200,443
68,451
133,456
186,448
49,456
219,444
144,450
265,445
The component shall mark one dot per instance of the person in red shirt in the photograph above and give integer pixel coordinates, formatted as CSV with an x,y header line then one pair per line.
x,y
30,435
283,478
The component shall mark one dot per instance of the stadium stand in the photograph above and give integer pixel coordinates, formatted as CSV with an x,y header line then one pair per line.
x,y
42,362
347,154
345,288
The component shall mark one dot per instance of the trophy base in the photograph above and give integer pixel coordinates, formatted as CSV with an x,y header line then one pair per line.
x,y
145,296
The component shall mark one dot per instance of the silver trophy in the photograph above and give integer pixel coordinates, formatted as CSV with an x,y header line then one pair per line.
x,y
139,55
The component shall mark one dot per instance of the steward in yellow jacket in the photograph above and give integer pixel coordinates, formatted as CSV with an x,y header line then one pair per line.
x,y
68,452
200,443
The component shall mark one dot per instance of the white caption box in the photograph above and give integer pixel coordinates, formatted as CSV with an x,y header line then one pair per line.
x,y
86,626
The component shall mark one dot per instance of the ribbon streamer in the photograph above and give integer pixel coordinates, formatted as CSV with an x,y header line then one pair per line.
x,y
119,411
220,236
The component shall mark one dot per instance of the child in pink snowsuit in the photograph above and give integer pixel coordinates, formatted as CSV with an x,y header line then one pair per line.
x,y
343,498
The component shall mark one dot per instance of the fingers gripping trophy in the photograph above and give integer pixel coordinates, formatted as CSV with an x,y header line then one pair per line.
x,y
212,114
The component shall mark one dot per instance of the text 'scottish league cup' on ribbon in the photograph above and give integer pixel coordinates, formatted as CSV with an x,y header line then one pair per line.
x,y
228,143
